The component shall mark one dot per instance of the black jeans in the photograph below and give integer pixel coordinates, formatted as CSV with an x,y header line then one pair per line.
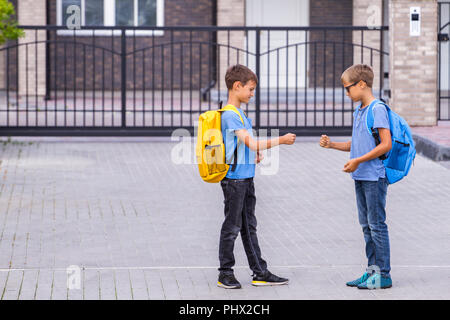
x,y
240,217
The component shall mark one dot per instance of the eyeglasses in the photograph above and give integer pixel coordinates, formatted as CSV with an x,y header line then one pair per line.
x,y
353,84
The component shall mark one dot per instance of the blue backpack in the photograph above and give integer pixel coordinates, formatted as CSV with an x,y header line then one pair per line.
x,y
399,159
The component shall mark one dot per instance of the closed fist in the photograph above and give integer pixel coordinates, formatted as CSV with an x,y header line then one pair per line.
x,y
289,138
325,141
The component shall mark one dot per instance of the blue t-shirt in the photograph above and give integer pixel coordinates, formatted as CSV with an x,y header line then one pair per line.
x,y
245,167
363,142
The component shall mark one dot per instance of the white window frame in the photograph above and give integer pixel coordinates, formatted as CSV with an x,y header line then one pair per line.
x,y
109,19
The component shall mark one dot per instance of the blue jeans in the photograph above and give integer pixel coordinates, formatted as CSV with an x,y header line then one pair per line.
x,y
240,201
371,202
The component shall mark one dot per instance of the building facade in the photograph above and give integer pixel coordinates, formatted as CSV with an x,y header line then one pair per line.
x,y
406,69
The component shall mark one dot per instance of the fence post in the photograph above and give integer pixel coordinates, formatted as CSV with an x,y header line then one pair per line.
x,y
124,77
258,74
47,54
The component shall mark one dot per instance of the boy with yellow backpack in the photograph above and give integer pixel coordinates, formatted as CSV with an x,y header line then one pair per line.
x,y
225,137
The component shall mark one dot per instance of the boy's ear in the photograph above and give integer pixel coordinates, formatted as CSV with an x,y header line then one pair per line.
x,y
363,84
236,84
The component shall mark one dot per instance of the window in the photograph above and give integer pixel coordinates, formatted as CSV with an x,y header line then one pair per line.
x,y
113,13
92,11
136,12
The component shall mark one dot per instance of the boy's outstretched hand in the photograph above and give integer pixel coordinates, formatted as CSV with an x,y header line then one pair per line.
x,y
288,138
325,141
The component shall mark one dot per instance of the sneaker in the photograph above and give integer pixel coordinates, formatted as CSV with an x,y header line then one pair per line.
x,y
358,281
376,281
268,279
228,281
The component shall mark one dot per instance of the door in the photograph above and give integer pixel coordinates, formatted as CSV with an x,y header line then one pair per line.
x,y
282,52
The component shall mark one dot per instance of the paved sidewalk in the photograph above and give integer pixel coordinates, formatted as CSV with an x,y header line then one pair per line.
x,y
439,134
141,227
434,142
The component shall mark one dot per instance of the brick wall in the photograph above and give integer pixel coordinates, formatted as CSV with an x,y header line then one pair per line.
x,y
327,61
413,66
230,13
32,58
69,62
367,13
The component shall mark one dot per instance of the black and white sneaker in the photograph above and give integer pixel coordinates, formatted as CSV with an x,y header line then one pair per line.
x,y
228,281
268,279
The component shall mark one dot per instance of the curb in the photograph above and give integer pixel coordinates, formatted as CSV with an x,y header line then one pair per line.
x,y
430,149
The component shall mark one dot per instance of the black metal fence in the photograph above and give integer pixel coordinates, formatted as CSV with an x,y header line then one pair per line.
x,y
151,81
444,62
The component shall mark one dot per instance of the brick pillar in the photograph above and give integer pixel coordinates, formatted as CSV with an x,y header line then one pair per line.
x,y
368,13
32,70
413,62
230,13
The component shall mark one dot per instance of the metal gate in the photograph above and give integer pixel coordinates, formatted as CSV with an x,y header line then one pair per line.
x,y
444,62
114,81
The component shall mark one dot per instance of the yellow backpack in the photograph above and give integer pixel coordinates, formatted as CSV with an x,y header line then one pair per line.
x,y
210,149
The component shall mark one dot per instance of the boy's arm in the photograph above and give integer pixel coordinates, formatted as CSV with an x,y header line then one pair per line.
x,y
257,145
325,142
384,147
342,146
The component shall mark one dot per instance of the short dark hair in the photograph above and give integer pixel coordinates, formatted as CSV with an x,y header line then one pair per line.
x,y
239,73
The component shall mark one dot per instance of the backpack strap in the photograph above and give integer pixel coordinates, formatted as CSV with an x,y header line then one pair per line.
x,y
369,124
230,107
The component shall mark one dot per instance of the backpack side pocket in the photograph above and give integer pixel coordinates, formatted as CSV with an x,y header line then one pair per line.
x,y
398,156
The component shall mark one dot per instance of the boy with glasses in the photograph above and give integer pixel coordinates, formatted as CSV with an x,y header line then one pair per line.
x,y
368,171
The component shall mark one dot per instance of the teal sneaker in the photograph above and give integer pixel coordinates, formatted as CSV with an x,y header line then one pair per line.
x,y
376,281
358,281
